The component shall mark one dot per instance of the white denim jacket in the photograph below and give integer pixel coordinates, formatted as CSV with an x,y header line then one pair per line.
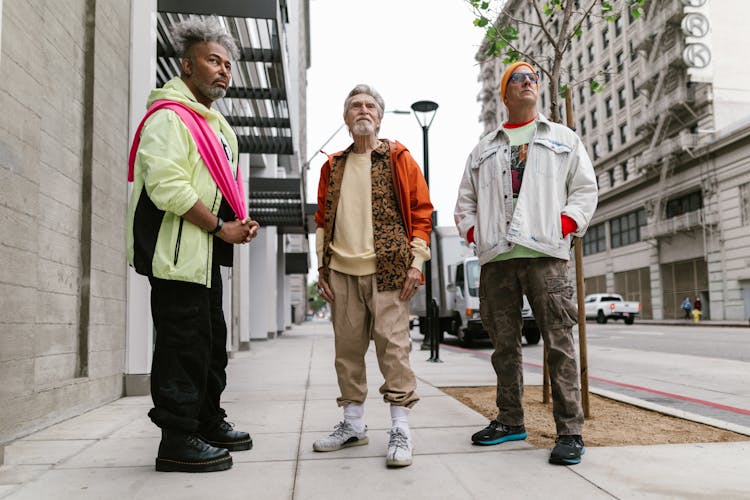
x,y
558,179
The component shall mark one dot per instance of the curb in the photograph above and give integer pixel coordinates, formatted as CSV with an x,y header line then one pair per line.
x,y
685,415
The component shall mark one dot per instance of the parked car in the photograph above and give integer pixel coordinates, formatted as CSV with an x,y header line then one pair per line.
x,y
605,306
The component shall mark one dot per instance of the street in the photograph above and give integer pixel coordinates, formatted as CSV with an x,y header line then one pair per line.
x,y
703,371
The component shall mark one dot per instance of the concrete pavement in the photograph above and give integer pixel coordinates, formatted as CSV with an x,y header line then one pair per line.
x,y
283,392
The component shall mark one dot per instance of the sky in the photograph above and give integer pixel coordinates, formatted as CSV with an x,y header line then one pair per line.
x,y
409,50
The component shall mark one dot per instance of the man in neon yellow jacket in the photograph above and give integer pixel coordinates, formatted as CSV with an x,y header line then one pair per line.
x,y
178,237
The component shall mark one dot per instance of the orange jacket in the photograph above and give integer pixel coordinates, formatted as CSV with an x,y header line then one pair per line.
x,y
411,192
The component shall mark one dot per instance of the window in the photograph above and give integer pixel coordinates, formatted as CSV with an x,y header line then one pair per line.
x,y
684,204
618,26
610,142
634,88
626,229
621,97
624,168
472,277
605,38
570,71
593,118
595,149
633,52
620,60
607,73
611,175
583,126
590,49
745,203
623,133
581,94
594,241
580,63
608,106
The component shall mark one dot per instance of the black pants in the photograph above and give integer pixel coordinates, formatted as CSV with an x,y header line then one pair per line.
x,y
188,372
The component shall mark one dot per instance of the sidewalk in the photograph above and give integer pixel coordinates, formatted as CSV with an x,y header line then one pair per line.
x,y
283,392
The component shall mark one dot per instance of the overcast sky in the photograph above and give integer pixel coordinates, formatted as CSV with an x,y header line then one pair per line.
x,y
409,50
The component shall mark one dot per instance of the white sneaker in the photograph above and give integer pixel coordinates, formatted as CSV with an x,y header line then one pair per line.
x,y
399,449
343,436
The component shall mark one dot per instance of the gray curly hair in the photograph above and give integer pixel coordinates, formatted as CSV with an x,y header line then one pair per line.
x,y
196,30
367,90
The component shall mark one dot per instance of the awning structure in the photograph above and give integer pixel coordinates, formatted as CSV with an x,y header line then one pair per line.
x,y
256,104
277,202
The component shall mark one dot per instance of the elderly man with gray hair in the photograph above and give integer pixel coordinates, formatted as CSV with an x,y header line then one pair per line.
x,y
186,212
370,265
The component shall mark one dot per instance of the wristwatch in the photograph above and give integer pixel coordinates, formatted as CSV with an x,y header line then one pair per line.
x,y
219,225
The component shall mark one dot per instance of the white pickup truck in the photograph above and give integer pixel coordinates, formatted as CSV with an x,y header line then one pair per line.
x,y
604,306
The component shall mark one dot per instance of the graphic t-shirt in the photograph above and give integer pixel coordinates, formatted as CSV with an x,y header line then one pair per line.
x,y
520,137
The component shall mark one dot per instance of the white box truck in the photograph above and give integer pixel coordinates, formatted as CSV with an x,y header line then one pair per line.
x,y
455,286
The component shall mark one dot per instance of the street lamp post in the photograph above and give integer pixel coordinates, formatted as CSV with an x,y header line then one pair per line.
x,y
425,112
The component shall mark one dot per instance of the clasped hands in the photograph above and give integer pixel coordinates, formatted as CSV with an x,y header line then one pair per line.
x,y
239,231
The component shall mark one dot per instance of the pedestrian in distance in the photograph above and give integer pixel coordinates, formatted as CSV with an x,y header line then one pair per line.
x,y
697,304
186,212
370,266
528,186
687,307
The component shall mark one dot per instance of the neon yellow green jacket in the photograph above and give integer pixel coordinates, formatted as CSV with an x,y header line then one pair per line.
x,y
169,178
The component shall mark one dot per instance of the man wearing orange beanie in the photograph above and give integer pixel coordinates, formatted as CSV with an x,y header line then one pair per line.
x,y
527,187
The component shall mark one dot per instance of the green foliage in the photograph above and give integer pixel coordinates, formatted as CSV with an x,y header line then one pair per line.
x,y
595,86
501,38
315,302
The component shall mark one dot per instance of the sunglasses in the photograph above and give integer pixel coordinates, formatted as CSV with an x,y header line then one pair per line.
x,y
521,77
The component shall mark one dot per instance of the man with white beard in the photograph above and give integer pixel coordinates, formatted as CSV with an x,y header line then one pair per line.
x,y
370,266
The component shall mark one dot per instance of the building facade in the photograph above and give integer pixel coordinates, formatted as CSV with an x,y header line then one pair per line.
x,y
75,324
668,135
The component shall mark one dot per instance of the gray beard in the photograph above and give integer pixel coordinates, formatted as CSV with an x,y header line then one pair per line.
x,y
213,93
363,128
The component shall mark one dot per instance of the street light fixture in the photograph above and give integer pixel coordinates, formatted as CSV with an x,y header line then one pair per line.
x,y
425,112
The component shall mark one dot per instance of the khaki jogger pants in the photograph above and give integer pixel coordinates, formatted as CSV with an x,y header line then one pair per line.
x,y
545,283
360,312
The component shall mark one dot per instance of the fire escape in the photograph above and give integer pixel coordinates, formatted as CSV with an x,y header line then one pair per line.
x,y
671,107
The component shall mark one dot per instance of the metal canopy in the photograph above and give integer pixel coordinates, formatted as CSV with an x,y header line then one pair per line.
x,y
277,202
256,103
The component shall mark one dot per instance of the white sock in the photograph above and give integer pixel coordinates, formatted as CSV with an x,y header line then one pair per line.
x,y
400,418
355,414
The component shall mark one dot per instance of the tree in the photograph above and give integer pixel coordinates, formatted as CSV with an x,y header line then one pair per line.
x,y
315,302
560,22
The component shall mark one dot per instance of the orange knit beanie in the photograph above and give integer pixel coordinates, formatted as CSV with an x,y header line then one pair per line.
x,y
506,76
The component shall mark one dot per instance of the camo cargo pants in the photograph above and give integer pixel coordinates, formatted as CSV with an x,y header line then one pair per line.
x,y
545,283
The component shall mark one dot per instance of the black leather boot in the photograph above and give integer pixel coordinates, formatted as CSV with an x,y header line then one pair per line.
x,y
182,452
224,436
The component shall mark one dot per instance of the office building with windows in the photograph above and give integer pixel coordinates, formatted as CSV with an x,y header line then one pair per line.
x,y
669,136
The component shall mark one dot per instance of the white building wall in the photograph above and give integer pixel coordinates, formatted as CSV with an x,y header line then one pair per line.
x,y
263,290
140,331
731,79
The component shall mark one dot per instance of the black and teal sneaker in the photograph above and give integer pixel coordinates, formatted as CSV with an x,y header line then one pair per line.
x,y
567,450
497,433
